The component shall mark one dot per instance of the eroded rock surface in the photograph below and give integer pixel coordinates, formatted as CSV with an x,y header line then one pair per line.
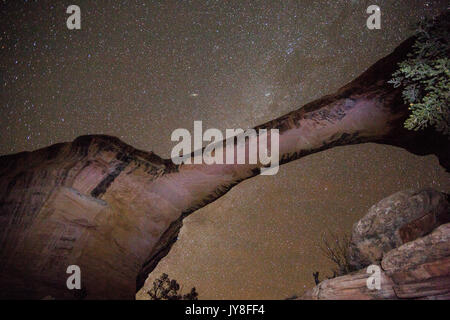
x,y
85,203
352,286
420,259
395,220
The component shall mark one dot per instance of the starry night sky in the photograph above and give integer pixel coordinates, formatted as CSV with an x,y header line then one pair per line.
x,y
140,69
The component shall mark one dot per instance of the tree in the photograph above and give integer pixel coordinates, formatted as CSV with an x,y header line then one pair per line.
x,y
166,289
424,76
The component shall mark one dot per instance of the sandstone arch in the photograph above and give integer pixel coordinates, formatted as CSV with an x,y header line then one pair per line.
x,y
115,211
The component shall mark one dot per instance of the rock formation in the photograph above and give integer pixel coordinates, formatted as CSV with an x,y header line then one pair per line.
x,y
116,211
395,220
408,236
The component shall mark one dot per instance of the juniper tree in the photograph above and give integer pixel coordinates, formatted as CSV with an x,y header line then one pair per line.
x,y
424,76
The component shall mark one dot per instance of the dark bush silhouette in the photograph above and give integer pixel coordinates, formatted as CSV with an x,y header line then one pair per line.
x,y
335,248
166,289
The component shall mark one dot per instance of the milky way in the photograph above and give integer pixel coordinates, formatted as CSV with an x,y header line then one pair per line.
x,y
140,69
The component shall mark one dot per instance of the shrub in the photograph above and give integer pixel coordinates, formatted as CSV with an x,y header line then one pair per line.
x,y
335,249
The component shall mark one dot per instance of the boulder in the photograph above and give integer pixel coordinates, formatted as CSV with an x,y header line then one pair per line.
x,y
423,258
395,220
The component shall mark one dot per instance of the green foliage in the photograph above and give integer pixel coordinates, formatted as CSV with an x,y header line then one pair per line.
x,y
166,289
424,76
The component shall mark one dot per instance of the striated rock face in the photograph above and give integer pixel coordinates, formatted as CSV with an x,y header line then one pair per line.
x,y
350,287
395,220
421,259
414,267
86,203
